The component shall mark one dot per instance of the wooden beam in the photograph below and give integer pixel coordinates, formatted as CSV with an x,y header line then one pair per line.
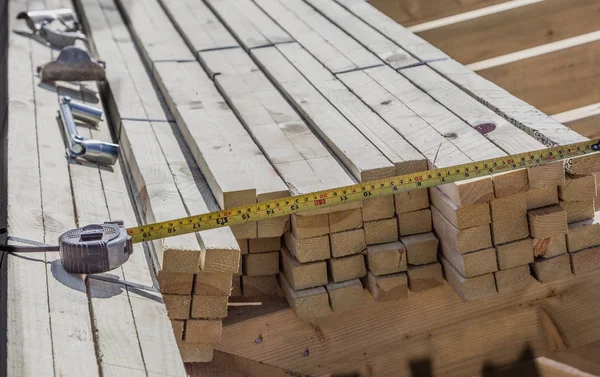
x,y
413,12
546,23
337,50
470,15
434,319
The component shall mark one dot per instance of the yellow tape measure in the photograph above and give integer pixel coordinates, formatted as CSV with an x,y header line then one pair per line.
x,y
356,193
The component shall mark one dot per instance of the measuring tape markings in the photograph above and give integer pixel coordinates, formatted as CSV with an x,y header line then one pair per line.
x,y
358,192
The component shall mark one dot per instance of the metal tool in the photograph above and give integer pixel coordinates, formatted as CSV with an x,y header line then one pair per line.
x,y
91,150
35,19
60,38
73,64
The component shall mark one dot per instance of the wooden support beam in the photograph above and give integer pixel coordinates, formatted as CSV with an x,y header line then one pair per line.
x,y
583,234
513,280
345,295
337,50
421,248
461,217
550,269
386,259
346,268
550,247
461,240
474,263
307,304
387,287
425,277
515,253
469,289
542,21
259,287
303,275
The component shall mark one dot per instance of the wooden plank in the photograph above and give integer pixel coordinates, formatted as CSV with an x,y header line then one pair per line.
x,y
542,197
461,217
410,42
542,21
261,245
425,277
469,289
303,275
210,33
381,231
385,49
550,247
309,249
586,126
330,45
578,187
411,201
260,287
67,296
550,269
461,240
386,259
25,326
513,280
347,243
515,254
474,263
508,230
310,226
252,27
346,268
470,15
203,331
212,284
585,260
261,264
584,234
508,138
307,304
361,158
547,222
340,221
437,318
345,295
440,134
578,210
420,248
300,158
387,287
416,222
413,12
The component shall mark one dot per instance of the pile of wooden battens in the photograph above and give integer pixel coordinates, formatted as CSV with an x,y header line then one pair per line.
x,y
194,271
541,186
53,322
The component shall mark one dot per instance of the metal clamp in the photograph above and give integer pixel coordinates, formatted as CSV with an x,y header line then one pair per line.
x,y
92,150
73,64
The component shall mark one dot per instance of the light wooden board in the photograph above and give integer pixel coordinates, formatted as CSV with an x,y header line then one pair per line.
x,y
252,27
375,42
542,22
24,310
331,46
439,135
300,158
361,158
404,156
415,45
412,12
428,325
209,33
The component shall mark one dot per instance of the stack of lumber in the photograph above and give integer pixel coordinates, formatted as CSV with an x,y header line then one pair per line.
x,y
194,271
53,322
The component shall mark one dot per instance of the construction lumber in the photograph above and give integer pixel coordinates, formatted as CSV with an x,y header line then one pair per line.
x,y
550,247
381,231
508,207
541,21
175,283
504,135
411,201
460,217
261,264
542,197
251,26
578,187
579,210
508,230
340,221
386,258
547,222
515,253
309,226
583,234
416,222
208,307
420,248
236,286
511,183
337,50
410,42
259,287
244,246
307,304
347,243
513,279
262,245
212,284
585,260
178,306
549,269
378,44
474,263
424,277
388,287
361,158
303,275
309,249
345,295
300,158
461,240
469,289
406,108
346,268
196,353
211,34
203,331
